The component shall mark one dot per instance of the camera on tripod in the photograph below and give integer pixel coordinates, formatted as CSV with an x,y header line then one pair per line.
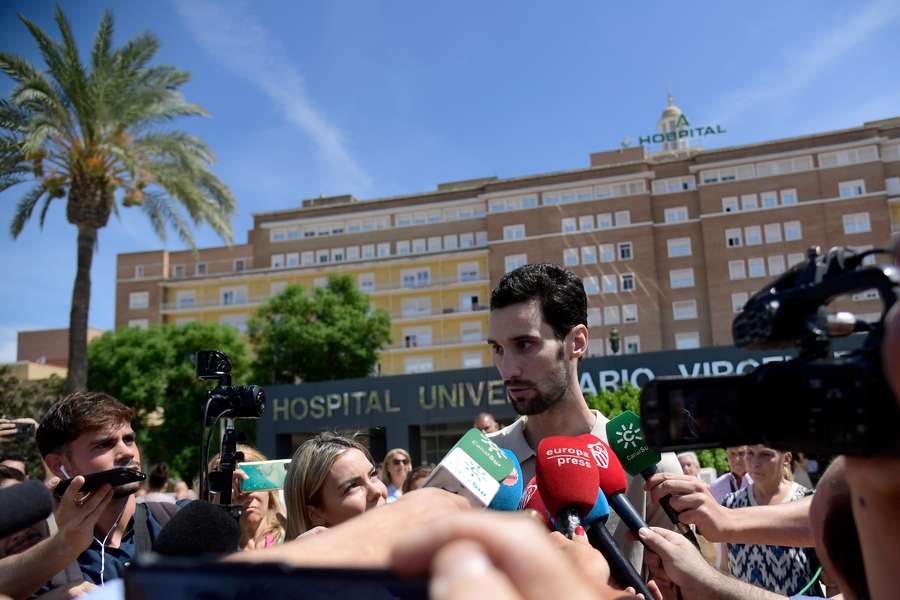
x,y
228,402
818,402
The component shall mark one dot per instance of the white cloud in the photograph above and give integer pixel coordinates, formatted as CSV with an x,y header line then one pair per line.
x,y
232,35
807,62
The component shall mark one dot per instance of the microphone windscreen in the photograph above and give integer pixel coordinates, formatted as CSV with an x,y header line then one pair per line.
x,y
566,475
24,504
199,528
610,473
599,512
510,492
531,500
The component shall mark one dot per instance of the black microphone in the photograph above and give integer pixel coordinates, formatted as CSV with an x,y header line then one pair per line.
x,y
24,504
200,528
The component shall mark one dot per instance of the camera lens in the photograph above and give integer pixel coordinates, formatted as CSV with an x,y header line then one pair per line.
x,y
251,401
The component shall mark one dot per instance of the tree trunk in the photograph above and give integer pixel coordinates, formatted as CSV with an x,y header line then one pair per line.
x,y
78,317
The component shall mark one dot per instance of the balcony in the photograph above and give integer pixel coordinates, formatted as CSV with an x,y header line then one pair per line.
x,y
191,306
428,343
393,286
446,311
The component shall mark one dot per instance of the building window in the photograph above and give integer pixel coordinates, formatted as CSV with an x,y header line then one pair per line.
x,y
629,313
733,238
736,270
352,252
434,244
415,278
857,223
322,256
570,257
481,238
756,267
594,317
681,278
514,232
604,221
730,204
138,300
418,245
366,282
788,197
177,271
514,261
569,225
368,251
673,185
470,331
609,284
467,240
185,298
595,347
588,255
687,340
586,222
138,271
232,296
415,337
607,253
139,323
418,364
625,250
626,280
472,360
793,231
278,235
772,232
776,264
384,249
749,202
277,261
415,307
451,242
632,344
467,271
752,235
769,199
201,269
611,315
307,258
469,301
795,259
738,300
679,247
591,286
292,259
622,218
684,310
239,265
403,248
849,189
676,214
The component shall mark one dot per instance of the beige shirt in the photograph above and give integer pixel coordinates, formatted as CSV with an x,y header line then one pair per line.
x,y
513,437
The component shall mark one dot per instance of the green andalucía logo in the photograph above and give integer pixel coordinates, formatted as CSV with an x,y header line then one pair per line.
x,y
629,436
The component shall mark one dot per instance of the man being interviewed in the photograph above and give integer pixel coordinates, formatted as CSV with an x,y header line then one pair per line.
x,y
538,334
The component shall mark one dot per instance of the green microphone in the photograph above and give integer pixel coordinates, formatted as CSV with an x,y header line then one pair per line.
x,y
626,438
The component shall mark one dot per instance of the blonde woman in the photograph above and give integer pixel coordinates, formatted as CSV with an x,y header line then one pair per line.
x,y
331,479
260,527
396,467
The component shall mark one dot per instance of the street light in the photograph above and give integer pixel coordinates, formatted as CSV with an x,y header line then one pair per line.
x,y
614,340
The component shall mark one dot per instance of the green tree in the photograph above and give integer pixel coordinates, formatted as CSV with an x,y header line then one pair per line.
x,y
21,398
92,134
154,371
614,402
714,457
331,333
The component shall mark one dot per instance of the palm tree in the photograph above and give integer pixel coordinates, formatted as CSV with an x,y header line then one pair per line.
x,y
96,138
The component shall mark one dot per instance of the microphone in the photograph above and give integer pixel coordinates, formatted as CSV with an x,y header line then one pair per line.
x,y
473,468
568,481
199,528
612,481
24,504
510,492
531,500
626,438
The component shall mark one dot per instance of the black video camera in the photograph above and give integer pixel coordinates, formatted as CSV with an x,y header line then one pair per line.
x,y
818,402
238,401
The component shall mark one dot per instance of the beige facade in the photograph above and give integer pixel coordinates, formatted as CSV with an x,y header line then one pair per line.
x,y
669,245
47,346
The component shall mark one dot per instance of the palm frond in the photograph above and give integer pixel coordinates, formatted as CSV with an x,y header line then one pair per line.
x,y
100,54
159,210
24,209
47,200
16,67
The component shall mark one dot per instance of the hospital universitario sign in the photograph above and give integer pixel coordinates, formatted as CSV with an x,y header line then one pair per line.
x,y
683,129
401,403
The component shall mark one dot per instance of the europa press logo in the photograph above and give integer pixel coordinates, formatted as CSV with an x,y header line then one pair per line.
x,y
527,495
600,453
629,436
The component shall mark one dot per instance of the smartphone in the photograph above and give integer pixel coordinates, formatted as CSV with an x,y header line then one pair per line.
x,y
114,477
187,579
25,431
264,475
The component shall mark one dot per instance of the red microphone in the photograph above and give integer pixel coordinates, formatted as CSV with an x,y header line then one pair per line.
x,y
531,500
567,478
612,481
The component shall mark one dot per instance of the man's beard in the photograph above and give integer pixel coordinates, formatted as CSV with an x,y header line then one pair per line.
x,y
553,391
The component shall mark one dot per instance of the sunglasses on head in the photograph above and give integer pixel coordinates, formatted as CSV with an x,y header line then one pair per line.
x,y
400,461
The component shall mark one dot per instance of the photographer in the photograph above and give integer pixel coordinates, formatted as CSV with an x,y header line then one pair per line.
x,y
87,433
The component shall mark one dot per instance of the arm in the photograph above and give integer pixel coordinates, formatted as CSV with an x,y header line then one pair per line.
x,y
23,574
675,563
782,525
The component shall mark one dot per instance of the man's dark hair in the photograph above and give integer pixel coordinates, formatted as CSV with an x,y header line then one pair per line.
x,y
76,414
158,478
558,291
10,473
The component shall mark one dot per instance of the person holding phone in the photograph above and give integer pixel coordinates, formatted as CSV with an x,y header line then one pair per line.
x,y
260,526
330,480
397,465
87,433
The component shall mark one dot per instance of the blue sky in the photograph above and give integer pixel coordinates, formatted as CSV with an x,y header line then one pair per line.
x,y
383,98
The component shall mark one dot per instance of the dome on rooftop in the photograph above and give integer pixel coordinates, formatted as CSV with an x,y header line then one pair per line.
x,y
671,111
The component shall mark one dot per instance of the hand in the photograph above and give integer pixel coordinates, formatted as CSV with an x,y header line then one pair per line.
x,y
693,501
8,428
76,514
485,555
314,531
74,590
591,565
673,560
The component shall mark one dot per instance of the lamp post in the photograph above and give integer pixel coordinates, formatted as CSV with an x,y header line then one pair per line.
x,y
614,340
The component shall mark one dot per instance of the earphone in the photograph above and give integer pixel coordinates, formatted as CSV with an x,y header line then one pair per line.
x,y
64,472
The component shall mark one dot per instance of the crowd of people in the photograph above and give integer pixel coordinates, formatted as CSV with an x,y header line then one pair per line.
x,y
339,507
